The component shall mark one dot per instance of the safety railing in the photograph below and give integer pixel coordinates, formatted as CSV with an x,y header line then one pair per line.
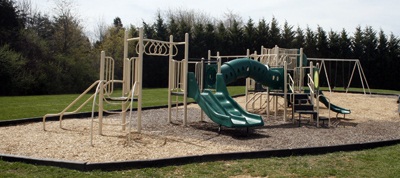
x,y
109,75
311,86
178,77
127,100
72,104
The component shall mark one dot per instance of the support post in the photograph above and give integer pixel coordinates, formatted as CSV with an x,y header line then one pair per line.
x,y
301,70
285,92
101,92
185,82
140,80
170,78
126,80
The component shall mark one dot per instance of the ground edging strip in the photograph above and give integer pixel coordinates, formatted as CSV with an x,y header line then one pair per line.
x,y
122,165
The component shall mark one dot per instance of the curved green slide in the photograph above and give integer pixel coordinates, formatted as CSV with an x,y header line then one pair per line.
x,y
324,100
219,106
333,107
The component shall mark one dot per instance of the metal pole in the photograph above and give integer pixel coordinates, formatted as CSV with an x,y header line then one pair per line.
x,y
285,92
140,79
185,83
101,94
170,78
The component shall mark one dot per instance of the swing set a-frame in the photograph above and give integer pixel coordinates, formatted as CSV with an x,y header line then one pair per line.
x,y
356,65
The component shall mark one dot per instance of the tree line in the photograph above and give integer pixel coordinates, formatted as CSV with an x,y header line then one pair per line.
x,y
42,54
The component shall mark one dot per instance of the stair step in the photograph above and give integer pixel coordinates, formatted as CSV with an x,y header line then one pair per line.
x,y
300,96
306,112
304,107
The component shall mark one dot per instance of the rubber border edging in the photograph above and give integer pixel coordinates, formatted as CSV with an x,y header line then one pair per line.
x,y
175,161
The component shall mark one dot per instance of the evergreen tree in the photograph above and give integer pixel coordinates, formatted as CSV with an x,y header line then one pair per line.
x,y
10,22
149,31
222,36
299,41
393,63
322,43
118,22
250,37
383,60
370,42
274,33
382,49
311,43
394,48
210,37
235,38
345,50
161,31
198,43
288,36
263,34
333,45
357,43
172,26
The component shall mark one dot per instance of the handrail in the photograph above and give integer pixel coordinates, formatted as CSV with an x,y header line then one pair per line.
x,y
310,84
291,96
64,112
130,96
291,83
228,57
92,115
254,98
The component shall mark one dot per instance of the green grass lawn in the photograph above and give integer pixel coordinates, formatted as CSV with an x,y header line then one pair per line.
x,y
379,162
16,107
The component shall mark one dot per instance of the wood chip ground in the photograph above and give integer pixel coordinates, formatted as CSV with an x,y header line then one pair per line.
x,y
373,118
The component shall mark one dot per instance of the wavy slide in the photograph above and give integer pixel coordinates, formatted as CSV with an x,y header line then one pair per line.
x,y
219,106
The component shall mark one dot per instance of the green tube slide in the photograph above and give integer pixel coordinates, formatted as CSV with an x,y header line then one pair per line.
x,y
245,67
219,106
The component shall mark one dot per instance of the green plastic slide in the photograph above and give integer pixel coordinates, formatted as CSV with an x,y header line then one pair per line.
x,y
333,107
220,107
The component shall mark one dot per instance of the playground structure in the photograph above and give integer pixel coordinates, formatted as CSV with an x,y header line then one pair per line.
x,y
275,73
104,94
298,85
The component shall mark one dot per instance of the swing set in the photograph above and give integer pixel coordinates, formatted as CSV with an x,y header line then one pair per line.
x,y
352,63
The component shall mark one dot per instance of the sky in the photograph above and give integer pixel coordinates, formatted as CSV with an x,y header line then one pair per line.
x,y
329,14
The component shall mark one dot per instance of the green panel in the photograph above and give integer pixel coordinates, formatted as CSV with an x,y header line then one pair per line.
x,y
304,60
210,72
